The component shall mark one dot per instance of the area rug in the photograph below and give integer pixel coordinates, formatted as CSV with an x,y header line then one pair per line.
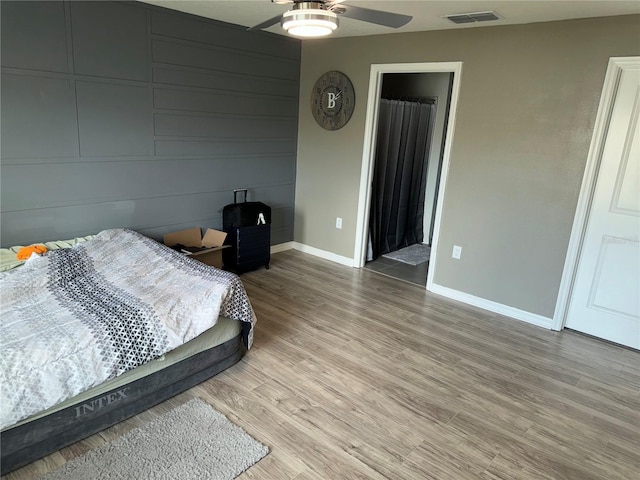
x,y
193,441
413,254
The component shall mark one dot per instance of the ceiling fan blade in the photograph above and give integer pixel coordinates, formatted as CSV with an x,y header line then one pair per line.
x,y
266,23
387,19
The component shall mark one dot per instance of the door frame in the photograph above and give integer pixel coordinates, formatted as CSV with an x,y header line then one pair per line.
x,y
592,168
368,155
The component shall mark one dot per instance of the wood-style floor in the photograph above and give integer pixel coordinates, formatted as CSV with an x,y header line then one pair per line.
x,y
416,274
357,375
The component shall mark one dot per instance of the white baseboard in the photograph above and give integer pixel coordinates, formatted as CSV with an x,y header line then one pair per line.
x,y
323,254
316,252
281,247
494,307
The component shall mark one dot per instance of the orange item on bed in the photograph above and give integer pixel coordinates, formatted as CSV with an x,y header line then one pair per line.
x,y
25,252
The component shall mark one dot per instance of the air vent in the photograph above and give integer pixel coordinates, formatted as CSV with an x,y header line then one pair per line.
x,y
473,17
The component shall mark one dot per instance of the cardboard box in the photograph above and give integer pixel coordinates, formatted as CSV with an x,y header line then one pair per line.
x,y
212,242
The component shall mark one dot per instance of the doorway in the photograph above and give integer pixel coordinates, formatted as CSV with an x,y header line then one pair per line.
x,y
412,121
435,83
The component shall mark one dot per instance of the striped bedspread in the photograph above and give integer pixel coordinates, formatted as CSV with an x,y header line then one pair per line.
x,y
76,317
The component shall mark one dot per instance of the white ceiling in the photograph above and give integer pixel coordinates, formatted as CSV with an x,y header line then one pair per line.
x,y
427,14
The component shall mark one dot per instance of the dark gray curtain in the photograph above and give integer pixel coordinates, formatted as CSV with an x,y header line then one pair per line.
x,y
404,136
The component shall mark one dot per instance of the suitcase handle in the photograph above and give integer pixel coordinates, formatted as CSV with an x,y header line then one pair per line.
x,y
235,193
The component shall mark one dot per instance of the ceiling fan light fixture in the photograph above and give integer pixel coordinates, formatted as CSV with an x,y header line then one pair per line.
x,y
309,22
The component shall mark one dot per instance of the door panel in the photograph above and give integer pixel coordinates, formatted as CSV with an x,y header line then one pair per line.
x,y
605,300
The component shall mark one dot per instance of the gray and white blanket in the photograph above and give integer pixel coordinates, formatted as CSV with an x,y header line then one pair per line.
x,y
74,318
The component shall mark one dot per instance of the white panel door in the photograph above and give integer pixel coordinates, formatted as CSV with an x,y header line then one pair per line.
x,y
605,299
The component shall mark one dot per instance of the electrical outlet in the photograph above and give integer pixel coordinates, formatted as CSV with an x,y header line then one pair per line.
x,y
338,222
457,252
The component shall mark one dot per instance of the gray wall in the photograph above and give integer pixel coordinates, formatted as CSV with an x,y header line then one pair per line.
x,y
527,106
127,115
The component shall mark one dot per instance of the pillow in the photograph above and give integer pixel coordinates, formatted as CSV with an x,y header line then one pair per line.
x,y
9,259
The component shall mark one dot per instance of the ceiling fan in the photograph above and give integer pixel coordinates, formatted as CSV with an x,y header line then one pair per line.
x,y
320,17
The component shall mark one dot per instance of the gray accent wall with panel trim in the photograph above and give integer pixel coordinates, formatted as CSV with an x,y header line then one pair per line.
x,y
121,114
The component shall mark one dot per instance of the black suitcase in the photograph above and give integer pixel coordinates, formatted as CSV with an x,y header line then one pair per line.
x,y
248,227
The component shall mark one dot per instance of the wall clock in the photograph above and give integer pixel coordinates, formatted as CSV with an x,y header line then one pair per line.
x,y
332,100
